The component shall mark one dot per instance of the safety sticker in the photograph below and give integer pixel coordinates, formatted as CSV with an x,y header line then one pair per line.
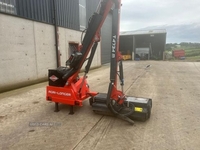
x,y
139,109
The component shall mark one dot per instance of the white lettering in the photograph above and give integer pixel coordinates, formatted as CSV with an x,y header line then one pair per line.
x,y
52,92
59,93
113,46
113,55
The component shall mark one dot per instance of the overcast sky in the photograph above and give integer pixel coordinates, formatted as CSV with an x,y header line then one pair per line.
x,y
137,14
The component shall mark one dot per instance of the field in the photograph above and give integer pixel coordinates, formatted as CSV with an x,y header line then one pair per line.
x,y
174,124
192,54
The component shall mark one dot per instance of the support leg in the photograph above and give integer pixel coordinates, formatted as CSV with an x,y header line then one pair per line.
x,y
56,108
71,112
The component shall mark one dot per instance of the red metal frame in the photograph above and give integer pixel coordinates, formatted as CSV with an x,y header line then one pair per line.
x,y
69,94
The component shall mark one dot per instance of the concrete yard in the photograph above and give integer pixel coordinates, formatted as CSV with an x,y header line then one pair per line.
x,y
174,124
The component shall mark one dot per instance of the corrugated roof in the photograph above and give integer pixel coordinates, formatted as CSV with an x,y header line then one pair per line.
x,y
138,32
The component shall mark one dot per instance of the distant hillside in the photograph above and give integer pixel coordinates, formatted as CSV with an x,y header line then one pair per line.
x,y
180,33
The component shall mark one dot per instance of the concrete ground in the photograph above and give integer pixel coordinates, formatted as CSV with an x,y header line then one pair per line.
x,y
174,123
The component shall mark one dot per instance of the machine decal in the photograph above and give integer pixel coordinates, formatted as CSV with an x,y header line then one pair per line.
x,y
139,109
113,46
59,93
53,78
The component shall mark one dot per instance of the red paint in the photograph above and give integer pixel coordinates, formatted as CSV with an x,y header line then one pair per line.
x,y
70,94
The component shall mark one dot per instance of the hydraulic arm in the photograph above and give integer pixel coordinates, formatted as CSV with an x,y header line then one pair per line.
x,y
65,85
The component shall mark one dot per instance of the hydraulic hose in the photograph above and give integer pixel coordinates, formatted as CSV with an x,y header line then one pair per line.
x,y
123,116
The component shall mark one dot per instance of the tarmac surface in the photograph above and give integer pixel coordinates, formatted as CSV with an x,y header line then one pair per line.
x,y
28,121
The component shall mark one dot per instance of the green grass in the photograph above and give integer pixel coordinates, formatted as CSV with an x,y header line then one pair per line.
x,y
192,52
193,58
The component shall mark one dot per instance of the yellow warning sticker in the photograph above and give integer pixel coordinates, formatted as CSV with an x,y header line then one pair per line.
x,y
139,109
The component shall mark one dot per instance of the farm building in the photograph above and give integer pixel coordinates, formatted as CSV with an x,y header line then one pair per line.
x,y
147,44
36,35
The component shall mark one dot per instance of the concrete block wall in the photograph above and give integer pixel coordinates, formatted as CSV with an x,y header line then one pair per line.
x,y
27,51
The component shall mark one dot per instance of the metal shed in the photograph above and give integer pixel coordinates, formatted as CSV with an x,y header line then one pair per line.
x,y
143,44
71,14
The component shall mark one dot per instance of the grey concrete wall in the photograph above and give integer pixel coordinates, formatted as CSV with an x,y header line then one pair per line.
x,y
27,51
